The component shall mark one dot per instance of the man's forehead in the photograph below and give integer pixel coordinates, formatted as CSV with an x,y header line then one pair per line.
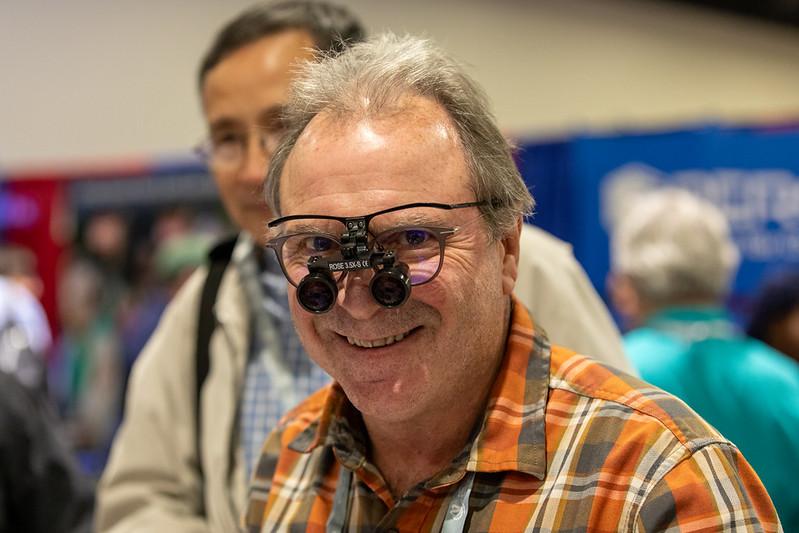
x,y
413,124
258,71
416,148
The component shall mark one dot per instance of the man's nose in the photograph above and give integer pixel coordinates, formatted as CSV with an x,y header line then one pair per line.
x,y
255,163
356,298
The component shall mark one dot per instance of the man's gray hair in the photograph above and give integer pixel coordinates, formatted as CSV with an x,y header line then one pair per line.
x,y
675,247
375,77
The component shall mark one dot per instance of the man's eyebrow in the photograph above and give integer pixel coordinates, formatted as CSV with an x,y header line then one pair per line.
x,y
399,218
265,117
224,123
312,226
270,114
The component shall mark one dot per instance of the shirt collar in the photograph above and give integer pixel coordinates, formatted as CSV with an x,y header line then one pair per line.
x,y
511,436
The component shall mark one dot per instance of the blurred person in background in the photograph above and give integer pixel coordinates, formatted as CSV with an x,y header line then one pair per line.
x,y
24,331
87,368
85,371
105,243
190,439
775,314
175,245
184,452
41,489
19,264
673,261
176,259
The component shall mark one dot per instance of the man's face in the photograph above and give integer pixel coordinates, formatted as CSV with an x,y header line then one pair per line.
x,y
450,331
242,95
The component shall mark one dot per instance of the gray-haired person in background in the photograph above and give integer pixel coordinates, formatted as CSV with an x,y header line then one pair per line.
x,y
673,261
181,459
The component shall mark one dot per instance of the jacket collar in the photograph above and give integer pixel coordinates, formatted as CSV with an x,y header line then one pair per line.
x,y
511,435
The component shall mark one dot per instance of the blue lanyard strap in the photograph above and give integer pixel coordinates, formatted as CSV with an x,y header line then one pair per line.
x,y
339,516
454,522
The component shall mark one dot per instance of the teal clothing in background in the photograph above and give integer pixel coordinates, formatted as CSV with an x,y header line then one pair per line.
x,y
748,391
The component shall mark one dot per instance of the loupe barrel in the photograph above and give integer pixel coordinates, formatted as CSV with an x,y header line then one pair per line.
x,y
390,286
317,292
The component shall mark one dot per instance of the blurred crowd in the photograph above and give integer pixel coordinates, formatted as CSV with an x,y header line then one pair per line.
x,y
113,288
113,285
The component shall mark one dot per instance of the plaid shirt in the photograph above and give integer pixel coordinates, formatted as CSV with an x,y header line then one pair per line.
x,y
565,444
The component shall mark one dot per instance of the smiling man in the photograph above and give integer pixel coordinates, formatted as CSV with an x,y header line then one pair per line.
x,y
433,370
450,410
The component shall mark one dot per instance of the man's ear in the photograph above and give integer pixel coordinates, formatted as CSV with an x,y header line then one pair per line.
x,y
510,258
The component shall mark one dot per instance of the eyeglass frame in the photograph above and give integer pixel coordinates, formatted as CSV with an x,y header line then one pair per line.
x,y
441,233
268,140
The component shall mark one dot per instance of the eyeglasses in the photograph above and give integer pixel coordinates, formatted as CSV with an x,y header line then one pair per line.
x,y
227,149
409,233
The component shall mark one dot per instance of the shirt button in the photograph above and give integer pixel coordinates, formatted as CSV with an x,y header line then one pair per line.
x,y
456,510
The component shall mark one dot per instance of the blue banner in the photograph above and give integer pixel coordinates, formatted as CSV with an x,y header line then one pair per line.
x,y
583,184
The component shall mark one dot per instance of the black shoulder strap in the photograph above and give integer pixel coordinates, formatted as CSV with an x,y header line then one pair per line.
x,y
219,257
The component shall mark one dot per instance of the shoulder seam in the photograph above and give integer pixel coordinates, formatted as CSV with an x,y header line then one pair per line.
x,y
557,382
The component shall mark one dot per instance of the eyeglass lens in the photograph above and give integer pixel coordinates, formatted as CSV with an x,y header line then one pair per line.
x,y
228,147
414,235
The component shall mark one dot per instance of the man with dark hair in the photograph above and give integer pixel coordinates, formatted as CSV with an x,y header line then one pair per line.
x,y
224,363
331,28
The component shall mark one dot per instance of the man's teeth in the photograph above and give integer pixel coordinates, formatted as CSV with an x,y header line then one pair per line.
x,y
377,342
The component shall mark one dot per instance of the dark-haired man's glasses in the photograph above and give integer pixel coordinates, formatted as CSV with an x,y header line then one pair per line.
x,y
227,149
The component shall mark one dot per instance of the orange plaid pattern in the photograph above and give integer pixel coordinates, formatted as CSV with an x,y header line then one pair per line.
x,y
565,444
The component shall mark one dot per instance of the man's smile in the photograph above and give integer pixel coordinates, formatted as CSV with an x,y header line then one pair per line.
x,y
379,342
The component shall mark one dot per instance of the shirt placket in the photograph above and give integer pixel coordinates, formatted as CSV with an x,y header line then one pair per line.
x,y
423,508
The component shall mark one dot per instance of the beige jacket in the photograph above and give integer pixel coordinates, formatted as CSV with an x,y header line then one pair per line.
x,y
152,483
562,300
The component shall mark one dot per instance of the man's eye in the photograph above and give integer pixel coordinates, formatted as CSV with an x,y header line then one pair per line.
x,y
227,139
319,244
415,237
405,239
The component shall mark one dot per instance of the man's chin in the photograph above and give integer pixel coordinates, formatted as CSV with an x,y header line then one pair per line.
x,y
381,400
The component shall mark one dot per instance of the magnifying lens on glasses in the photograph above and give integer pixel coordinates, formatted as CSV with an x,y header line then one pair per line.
x,y
390,286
